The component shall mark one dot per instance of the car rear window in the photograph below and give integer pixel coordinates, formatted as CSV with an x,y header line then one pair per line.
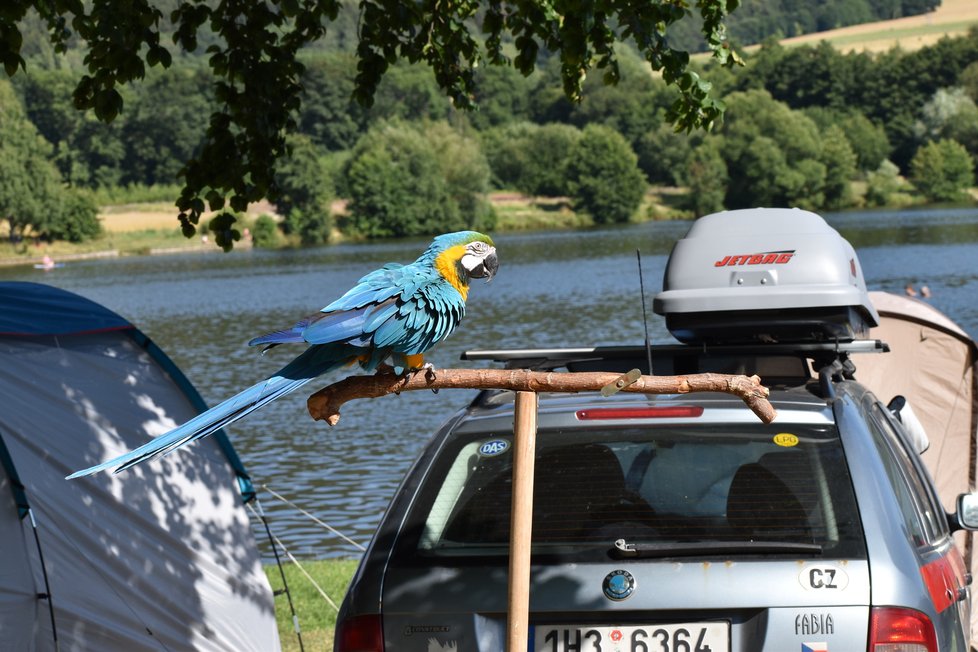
x,y
685,490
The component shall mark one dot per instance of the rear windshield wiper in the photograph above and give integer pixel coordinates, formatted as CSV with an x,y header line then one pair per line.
x,y
625,550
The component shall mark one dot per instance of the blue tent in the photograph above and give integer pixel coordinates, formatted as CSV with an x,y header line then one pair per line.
x,y
158,558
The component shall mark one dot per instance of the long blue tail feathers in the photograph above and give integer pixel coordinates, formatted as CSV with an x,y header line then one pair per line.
x,y
297,373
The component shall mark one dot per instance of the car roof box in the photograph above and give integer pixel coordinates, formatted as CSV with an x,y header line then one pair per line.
x,y
764,275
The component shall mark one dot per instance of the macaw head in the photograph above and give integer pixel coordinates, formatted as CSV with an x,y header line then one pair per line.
x,y
463,255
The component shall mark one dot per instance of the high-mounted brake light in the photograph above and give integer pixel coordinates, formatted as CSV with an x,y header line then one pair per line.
x,y
895,629
666,412
360,634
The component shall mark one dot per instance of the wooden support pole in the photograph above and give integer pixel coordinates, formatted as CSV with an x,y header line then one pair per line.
x,y
521,520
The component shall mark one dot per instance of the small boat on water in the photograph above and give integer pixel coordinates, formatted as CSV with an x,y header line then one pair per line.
x,y
48,263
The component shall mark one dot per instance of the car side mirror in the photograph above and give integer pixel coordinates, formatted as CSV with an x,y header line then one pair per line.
x,y
966,517
900,408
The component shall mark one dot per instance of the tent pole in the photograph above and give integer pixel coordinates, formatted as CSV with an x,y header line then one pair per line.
x,y
521,523
281,571
47,585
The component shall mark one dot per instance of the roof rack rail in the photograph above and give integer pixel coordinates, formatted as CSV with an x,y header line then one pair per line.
x,y
559,356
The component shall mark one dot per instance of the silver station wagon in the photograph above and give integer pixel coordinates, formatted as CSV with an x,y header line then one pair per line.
x,y
682,523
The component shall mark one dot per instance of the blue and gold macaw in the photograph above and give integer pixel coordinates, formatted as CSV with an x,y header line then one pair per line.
x,y
396,312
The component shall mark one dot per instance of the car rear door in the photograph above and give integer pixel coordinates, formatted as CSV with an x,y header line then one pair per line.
x,y
650,539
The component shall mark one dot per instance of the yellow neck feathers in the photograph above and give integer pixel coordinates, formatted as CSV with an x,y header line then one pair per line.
x,y
447,265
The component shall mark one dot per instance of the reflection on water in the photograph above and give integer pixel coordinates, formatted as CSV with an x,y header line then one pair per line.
x,y
554,289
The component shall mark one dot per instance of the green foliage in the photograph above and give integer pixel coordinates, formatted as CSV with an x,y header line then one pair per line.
x,y
532,158
889,88
33,199
253,49
264,232
632,107
302,192
87,152
757,20
76,219
942,171
950,114
968,80
773,154
840,168
867,140
663,154
466,173
706,174
882,184
328,114
502,97
398,187
604,178
163,124
135,193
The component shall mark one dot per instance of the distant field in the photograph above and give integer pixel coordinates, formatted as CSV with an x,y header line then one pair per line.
x,y
154,217
952,18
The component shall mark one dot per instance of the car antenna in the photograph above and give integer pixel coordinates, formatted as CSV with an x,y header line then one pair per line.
x,y
645,316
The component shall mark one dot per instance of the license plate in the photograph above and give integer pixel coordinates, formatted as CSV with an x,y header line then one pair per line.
x,y
682,637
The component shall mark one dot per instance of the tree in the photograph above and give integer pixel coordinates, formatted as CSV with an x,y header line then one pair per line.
x,y
74,218
303,192
968,79
942,170
532,158
950,114
706,175
397,187
840,168
160,135
33,199
254,52
663,154
328,113
605,181
882,184
773,154
87,152
466,172
867,139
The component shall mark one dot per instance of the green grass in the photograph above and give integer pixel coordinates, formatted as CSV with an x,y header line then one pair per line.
x,y
316,617
532,214
138,194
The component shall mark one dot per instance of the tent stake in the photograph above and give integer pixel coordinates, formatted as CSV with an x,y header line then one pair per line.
x,y
521,523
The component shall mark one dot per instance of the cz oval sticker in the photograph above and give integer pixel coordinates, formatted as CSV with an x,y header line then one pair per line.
x,y
494,447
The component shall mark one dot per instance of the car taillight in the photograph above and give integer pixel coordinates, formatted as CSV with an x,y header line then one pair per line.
x,y
665,412
894,629
360,634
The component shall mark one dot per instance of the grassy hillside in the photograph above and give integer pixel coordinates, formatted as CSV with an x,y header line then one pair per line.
x,y
952,18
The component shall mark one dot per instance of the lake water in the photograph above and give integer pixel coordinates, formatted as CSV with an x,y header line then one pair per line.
x,y
553,289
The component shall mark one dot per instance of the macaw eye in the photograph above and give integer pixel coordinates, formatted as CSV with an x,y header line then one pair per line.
x,y
479,247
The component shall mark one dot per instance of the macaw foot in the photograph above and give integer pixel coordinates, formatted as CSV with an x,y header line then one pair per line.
x,y
428,370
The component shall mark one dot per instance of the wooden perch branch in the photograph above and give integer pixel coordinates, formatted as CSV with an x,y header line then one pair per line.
x,y
325,404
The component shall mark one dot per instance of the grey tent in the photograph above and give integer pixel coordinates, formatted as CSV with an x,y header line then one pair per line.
x,y
932,363
161,557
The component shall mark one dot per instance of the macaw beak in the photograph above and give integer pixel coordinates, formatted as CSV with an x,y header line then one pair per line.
x,y
487,268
